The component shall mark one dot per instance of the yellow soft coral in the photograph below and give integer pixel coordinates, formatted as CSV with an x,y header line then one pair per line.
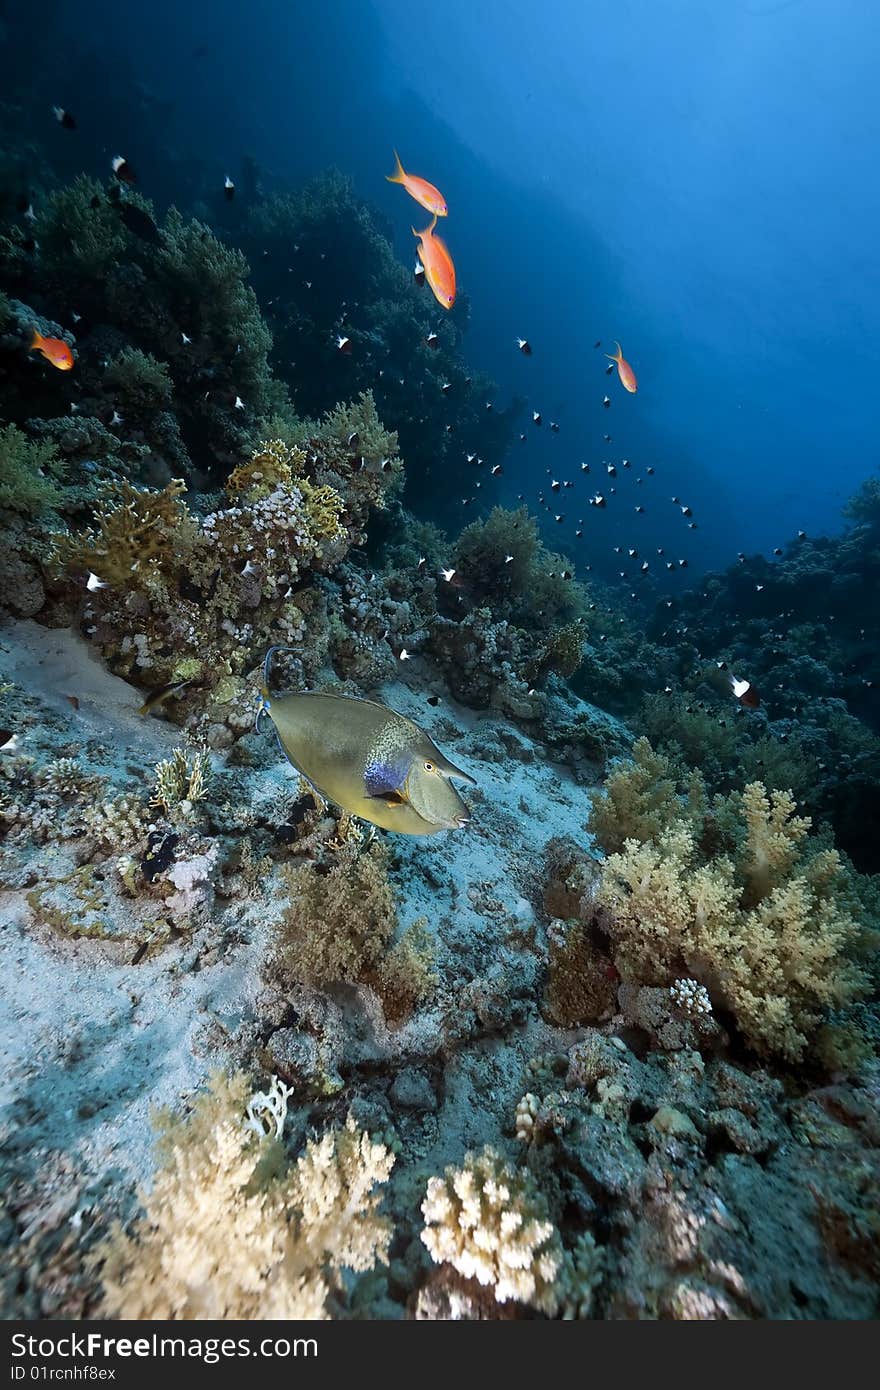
x,y
764,932
774,833
227,1232
637,801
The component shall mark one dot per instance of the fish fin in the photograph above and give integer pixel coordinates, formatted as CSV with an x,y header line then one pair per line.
x,y
428,230
399,172
279,647
389,798
262,708
38,340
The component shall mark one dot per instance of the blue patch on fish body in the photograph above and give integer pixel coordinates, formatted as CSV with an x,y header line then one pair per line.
x,y
385,778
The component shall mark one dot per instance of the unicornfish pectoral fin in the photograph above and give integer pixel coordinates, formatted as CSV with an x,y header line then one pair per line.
x,y
390,798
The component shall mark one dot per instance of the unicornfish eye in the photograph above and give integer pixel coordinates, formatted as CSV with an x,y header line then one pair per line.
x,y
429,767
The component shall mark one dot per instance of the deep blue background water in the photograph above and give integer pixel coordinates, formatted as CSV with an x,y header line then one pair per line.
x,y
696,178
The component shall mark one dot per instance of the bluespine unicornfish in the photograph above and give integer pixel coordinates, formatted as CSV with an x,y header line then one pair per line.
x,y
368,759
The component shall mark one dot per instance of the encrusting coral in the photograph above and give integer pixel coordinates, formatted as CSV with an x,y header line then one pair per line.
x,y
189,595
230,1231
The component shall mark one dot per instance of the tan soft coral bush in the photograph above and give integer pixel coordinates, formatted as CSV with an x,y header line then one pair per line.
x,y
230,1231
765,927
340,918
638,800
341,922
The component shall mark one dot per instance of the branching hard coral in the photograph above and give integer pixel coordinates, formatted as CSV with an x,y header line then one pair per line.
x,y
273,464
116,824
229,1232
66,778
691,998
580,1278
489,1221
275,471
182,781
637,802
29,474
340,920
133,533
768,931
527,1108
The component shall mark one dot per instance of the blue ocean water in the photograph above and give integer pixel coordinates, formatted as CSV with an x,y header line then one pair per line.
x,y
694,180
560,880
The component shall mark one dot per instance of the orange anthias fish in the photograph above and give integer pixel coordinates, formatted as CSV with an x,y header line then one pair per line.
x,y
55,350
624,370
424,193
439,270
